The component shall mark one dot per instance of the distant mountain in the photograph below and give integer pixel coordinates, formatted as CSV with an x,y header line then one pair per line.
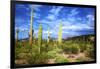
x,y
82,37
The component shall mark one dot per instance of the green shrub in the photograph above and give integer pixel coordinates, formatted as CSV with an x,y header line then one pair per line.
x,y
73,48
61,59
53,53
82,59
82,47
90,52
38,58
16,54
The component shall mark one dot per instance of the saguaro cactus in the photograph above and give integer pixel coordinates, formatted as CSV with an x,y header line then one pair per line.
x,y
31,28
60,34
40,37
48,38
17,31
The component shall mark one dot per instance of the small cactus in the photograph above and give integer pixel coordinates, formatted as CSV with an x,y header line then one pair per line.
x,y
60,34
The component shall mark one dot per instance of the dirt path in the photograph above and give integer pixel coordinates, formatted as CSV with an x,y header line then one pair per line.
x,y
51,61
70,57
73,57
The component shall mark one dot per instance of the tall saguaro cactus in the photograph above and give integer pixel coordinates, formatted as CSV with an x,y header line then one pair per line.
x,y
40,37
48,38
60,34
31,28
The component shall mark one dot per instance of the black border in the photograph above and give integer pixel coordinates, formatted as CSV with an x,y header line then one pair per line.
x,y
12,51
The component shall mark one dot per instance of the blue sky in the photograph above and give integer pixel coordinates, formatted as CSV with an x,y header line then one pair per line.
x,y
75,20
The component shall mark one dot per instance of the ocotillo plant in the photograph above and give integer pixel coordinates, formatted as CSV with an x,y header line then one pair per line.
x,y
48,39
40,37
60,35
31,28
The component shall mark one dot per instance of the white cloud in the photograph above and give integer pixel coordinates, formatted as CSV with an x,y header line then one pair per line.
x,y
73,12
79,19
90,17
23,28
77,27
72,19
46,32
22,6
35,7
90,20
18,20
54,12
51,16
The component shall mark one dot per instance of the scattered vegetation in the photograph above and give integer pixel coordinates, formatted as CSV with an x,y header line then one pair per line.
x,y
42,51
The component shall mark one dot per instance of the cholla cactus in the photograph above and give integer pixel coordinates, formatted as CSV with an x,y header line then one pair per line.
x,y
40,37
60,34
48,39
31,28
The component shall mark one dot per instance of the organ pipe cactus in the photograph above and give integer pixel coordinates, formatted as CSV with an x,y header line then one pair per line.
x,y
40,37
60,34
31,28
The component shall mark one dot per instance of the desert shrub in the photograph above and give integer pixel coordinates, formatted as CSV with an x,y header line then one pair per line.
x,y
53,53
38,58
22,52
61,59
23,55
16,54
18,45
46,47
82,59
82,47
17,50
73,48
90,52
67,49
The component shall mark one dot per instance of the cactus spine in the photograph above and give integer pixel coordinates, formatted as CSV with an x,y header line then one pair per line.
x,y
48,39
60,34
31,28
40,37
